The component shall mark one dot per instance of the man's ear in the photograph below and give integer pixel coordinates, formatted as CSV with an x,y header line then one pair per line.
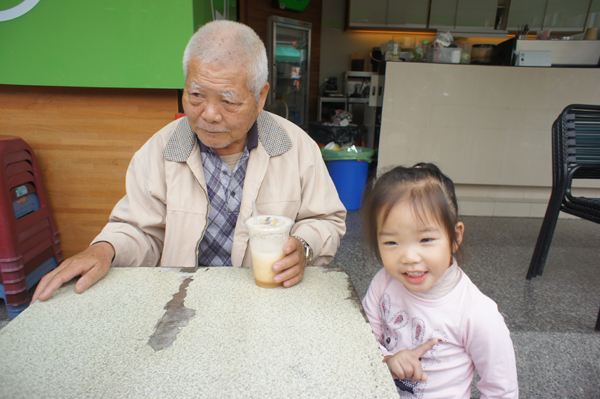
x,y
262,97
459,231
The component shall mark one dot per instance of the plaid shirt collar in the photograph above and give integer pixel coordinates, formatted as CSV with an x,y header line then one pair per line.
x,y
272,137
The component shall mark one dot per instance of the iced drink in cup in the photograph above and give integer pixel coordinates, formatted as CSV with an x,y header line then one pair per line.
x,y
268,235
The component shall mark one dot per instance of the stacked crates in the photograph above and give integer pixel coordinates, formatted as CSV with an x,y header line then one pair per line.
x,y
28,235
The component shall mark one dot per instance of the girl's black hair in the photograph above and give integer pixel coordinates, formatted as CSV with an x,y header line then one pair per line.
x,y
423,186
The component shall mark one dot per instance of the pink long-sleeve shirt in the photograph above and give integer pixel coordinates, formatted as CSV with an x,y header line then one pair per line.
x,y
471,331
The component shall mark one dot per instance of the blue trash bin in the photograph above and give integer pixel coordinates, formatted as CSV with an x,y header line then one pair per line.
x,y
349,172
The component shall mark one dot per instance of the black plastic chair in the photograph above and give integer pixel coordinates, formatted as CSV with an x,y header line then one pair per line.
x,y
575,155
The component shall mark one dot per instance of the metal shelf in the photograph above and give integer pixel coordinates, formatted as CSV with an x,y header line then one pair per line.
x,y
372,104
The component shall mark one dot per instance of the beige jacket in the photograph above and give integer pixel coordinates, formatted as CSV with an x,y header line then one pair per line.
x,y
163,216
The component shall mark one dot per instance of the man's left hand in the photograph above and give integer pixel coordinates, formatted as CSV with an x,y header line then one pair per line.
x,y
290,269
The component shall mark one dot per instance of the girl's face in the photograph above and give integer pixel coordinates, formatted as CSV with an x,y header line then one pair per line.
x,y
415,252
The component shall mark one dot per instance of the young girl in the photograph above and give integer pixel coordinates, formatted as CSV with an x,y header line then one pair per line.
x,y
433,325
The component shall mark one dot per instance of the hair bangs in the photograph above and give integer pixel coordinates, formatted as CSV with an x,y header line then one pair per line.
x,y
428,201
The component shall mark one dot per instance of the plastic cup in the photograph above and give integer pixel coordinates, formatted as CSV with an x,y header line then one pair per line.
x,y
268,234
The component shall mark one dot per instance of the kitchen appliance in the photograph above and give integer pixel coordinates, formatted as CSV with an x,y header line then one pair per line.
x,y
288,50
534,58
482,54
504,53
376,59
564,52
331,86
357,62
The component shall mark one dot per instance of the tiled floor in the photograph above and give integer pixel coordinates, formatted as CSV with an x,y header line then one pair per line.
x,y
551,317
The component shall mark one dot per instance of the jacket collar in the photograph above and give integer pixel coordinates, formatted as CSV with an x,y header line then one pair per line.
x,y
272,137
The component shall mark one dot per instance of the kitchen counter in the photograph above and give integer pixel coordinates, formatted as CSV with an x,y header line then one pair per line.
x,y
487,127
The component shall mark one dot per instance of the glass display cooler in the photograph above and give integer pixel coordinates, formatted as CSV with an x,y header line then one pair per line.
x,y
288,49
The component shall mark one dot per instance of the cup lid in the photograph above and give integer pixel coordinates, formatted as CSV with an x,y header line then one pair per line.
x,y
268,222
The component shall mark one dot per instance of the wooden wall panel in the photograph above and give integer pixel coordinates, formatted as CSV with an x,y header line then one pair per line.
x,y
254,13
83,139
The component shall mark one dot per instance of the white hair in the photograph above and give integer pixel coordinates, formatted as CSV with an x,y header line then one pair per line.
x,y
225,42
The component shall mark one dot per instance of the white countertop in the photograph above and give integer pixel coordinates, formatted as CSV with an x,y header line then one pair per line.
x,y
489,128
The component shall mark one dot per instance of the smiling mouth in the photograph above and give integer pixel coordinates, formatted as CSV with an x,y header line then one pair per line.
x,y
415,277
415,274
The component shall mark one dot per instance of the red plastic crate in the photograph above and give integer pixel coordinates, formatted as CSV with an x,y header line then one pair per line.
x,y
19,167
27,243
19,300
29,187
12,156
20,179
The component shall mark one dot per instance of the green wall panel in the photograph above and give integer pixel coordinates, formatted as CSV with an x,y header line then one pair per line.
x,y
100,43
206,10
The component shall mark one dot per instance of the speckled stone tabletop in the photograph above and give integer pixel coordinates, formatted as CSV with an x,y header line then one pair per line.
x,y
150,333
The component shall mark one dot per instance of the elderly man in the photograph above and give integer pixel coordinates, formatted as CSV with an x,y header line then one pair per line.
x,y
191,186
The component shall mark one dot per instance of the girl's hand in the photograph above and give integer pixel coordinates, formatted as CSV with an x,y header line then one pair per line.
x,y
406,364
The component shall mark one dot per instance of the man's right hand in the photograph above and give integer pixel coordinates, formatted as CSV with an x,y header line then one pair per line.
x,y
91,264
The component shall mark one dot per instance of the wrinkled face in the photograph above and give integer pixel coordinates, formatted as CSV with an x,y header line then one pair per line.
x,y
219,105
416,253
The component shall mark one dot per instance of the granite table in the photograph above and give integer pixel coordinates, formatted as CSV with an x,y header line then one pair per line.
x,y
205,333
